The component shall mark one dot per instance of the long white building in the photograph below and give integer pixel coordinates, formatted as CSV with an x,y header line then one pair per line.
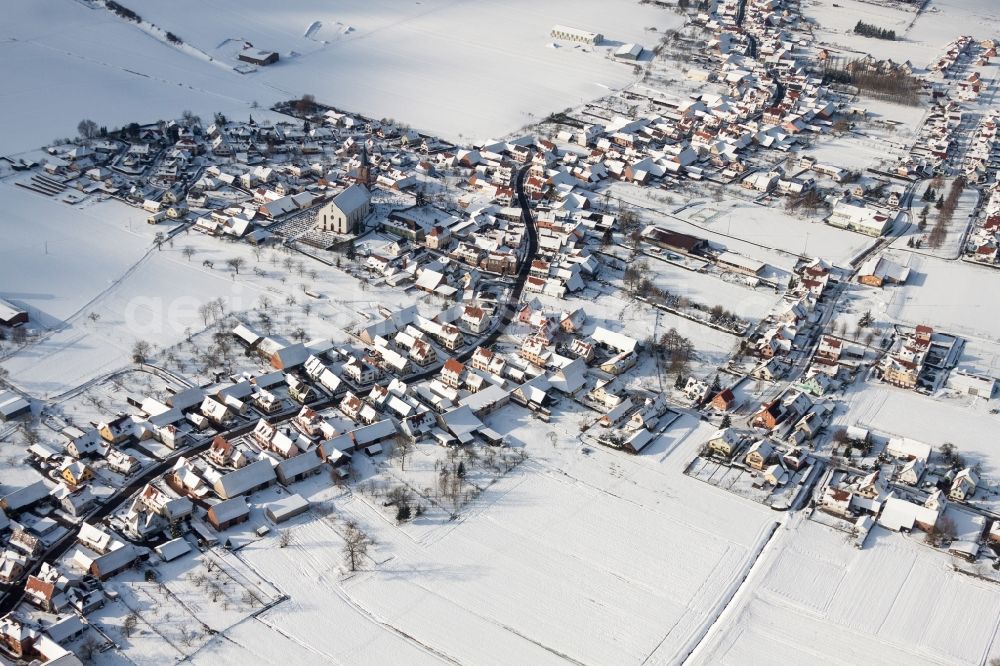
x,y
576,35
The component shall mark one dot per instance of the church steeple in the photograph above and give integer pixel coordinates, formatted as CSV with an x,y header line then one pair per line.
x,y
364,172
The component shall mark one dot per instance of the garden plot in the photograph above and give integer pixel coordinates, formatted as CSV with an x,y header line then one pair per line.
x,y
894,601
193,598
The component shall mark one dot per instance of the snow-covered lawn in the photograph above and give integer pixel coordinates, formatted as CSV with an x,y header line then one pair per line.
x,y
57,257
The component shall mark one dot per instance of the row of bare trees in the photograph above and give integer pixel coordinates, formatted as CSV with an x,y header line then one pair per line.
x,y
946,212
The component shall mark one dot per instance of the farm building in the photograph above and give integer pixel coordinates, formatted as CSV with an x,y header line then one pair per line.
x,y
11,315
258,57
576,35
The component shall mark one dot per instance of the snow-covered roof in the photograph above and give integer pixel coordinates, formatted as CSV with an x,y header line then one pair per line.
x,y
173,549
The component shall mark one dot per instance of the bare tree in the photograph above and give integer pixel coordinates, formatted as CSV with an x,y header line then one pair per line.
x,y
130,623
236,263
141,351
356,544
188,252
87,129
87,648
284,539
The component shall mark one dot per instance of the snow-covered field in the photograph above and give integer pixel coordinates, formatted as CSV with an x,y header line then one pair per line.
x,y
65,61
819,600
428,64
64,263
919,38
571,557
773,228
949,295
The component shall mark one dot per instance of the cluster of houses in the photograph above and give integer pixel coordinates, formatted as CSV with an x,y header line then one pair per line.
x,y
898,485
920,359
773,461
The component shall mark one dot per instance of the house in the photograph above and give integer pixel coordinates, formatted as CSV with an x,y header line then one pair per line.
x,y
760,454
255,476
836,500
258,57
475,318
116,561
901,515
123,463
769,415
775,475
17,636
964,485
117,430
76,473
911,472
899,447
295,469
452,372
638,441
345,212
40,593
223,454
485,360
723,401
82,444
12,566
726,442
227,513
864,220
